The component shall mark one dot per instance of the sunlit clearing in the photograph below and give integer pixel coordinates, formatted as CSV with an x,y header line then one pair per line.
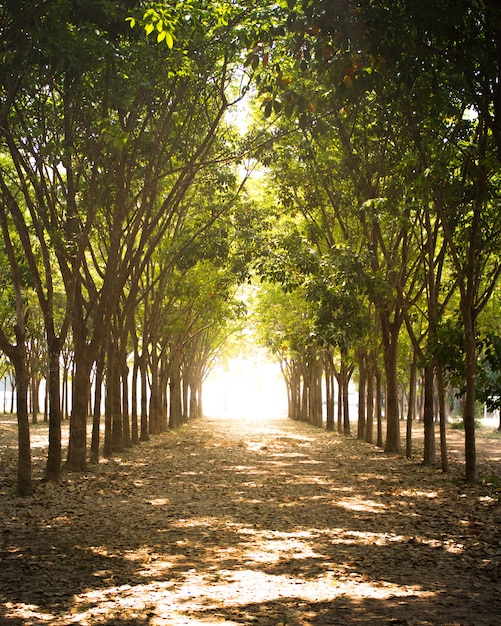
x,y
245,387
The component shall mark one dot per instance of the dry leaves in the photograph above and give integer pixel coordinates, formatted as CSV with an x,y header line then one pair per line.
x,y
233,522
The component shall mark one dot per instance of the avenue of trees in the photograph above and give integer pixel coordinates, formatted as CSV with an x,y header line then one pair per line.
x,y
127,221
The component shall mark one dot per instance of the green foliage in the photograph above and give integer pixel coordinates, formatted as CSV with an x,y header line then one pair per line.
x,y
450,353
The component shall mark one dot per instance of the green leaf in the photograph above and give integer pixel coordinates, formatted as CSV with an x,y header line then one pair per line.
x,y
169,39
149,28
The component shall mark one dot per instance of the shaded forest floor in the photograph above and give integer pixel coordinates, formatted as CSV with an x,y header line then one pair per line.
x,y
270,523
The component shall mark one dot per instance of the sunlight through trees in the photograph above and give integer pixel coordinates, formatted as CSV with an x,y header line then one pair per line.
x,y
156,156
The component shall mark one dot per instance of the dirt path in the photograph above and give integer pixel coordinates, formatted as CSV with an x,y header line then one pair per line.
x,y
228,522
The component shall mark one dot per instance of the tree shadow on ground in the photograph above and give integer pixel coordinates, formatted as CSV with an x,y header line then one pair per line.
x,y
285,526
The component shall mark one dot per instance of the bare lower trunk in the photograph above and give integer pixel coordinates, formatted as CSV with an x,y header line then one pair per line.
x,y
362,389
134,420
175,407
77,447
329,393
96,414
339,405
144,399
410,409
53,467
469,400
369,426
346,405
379,405
124,375
24,481
429,457
444,461
390,346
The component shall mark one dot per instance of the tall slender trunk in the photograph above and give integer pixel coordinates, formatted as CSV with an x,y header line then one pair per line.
x,y
144,398
124,375
24,479
362,395
77,447
339,403
430,457
369,424
175,405
96,414
193,412
54,454
470,348
444,461
390,333
154,404
116,405
133,409
345,382
411,408
379,408
329,393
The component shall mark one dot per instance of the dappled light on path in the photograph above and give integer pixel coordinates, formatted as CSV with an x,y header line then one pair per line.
x,y
241,522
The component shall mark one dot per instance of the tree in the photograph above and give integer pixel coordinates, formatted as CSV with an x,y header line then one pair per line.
x,y
412,63
13,344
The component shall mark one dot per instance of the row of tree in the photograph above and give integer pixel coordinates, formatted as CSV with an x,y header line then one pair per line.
x,y
122,221
391,192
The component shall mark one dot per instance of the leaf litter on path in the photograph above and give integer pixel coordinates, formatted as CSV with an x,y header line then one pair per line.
x,y
239,522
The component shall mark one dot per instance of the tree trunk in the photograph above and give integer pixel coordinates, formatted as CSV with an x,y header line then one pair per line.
x,y
329,394
24,481
77,448
96,414
315,405
193,401
185,395
124,372
155,427
379,407
362,397
200,405
339,404
443,418
369,425
116,404
295,387
345,381
54,455
411,408
469,398
134,420
35,398
175,405
18,357
390,333
305,399
144,398
430,457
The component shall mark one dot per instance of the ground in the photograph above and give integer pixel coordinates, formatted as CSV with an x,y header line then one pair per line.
x,y
268,522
